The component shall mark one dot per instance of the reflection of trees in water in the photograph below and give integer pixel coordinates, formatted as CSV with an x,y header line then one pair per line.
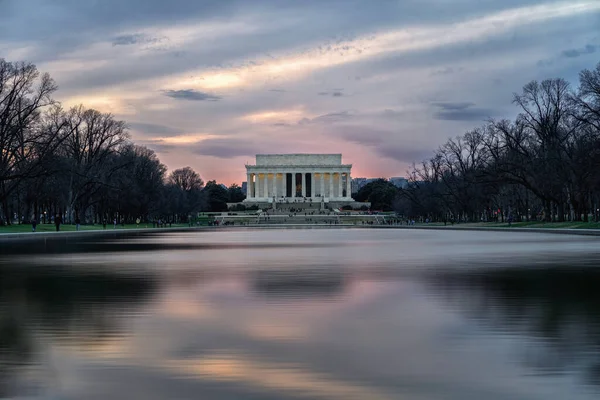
x,y
15,346
301,282
63,304
558,306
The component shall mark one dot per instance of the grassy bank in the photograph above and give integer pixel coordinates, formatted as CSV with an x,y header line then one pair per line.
x,y
538,225
26,228
71,228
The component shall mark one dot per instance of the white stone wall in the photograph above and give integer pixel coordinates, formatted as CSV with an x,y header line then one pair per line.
x,y
298,159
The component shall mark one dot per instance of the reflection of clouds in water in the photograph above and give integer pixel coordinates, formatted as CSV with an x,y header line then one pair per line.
x,y
183,304
267,330
280,377
289,316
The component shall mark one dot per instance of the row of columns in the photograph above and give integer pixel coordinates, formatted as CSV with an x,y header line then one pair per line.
x,y
265,184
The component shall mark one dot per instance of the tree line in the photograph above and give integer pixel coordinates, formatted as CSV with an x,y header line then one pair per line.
x,y
81,164
543,165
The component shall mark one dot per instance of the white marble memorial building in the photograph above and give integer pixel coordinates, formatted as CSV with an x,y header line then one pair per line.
x,y
295,177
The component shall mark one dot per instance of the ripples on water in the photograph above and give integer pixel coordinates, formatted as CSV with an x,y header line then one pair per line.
x,y
287,314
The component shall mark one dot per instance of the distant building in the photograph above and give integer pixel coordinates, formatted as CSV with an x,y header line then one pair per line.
x,y
223,186
244,187
399,182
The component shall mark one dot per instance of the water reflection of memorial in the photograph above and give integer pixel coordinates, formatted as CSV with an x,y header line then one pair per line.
x,y
556,309
60,305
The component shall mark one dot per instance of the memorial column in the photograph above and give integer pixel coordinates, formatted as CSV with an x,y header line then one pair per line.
x,y
257,190
284,184
322,175
266,185
348,185
274,194
312,185
293,182
340,187
303,184
330,185
248,189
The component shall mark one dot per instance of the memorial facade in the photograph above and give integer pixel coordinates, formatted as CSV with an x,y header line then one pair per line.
x,y
298,177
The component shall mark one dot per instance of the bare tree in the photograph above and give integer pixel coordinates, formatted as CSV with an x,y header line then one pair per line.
x,y
25,141
185,187
93,138
186,179
587,99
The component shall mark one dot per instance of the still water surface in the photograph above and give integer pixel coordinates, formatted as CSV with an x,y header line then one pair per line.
x,y
303,314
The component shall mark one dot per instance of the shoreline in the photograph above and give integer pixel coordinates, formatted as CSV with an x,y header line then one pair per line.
x,y
563,231
89,234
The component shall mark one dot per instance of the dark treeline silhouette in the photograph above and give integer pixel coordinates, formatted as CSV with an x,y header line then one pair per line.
x,y
381,193
544,165
80,163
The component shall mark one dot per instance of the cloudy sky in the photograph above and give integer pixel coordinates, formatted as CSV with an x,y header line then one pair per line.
x,y
211,83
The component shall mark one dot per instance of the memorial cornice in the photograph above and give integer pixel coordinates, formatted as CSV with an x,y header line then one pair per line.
x,y
341,166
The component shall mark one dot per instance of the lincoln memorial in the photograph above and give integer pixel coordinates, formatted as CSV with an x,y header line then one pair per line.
x,y
296,177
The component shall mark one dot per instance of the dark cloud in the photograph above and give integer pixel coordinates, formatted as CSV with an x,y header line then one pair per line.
x,y
329,118
226,148
333,93
363,135
450,106
572,53
447,71
190,94
435,59
460,111
50,24
125,40
403,153
393,114
340,15
158,146
544,63
277,90
154,129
